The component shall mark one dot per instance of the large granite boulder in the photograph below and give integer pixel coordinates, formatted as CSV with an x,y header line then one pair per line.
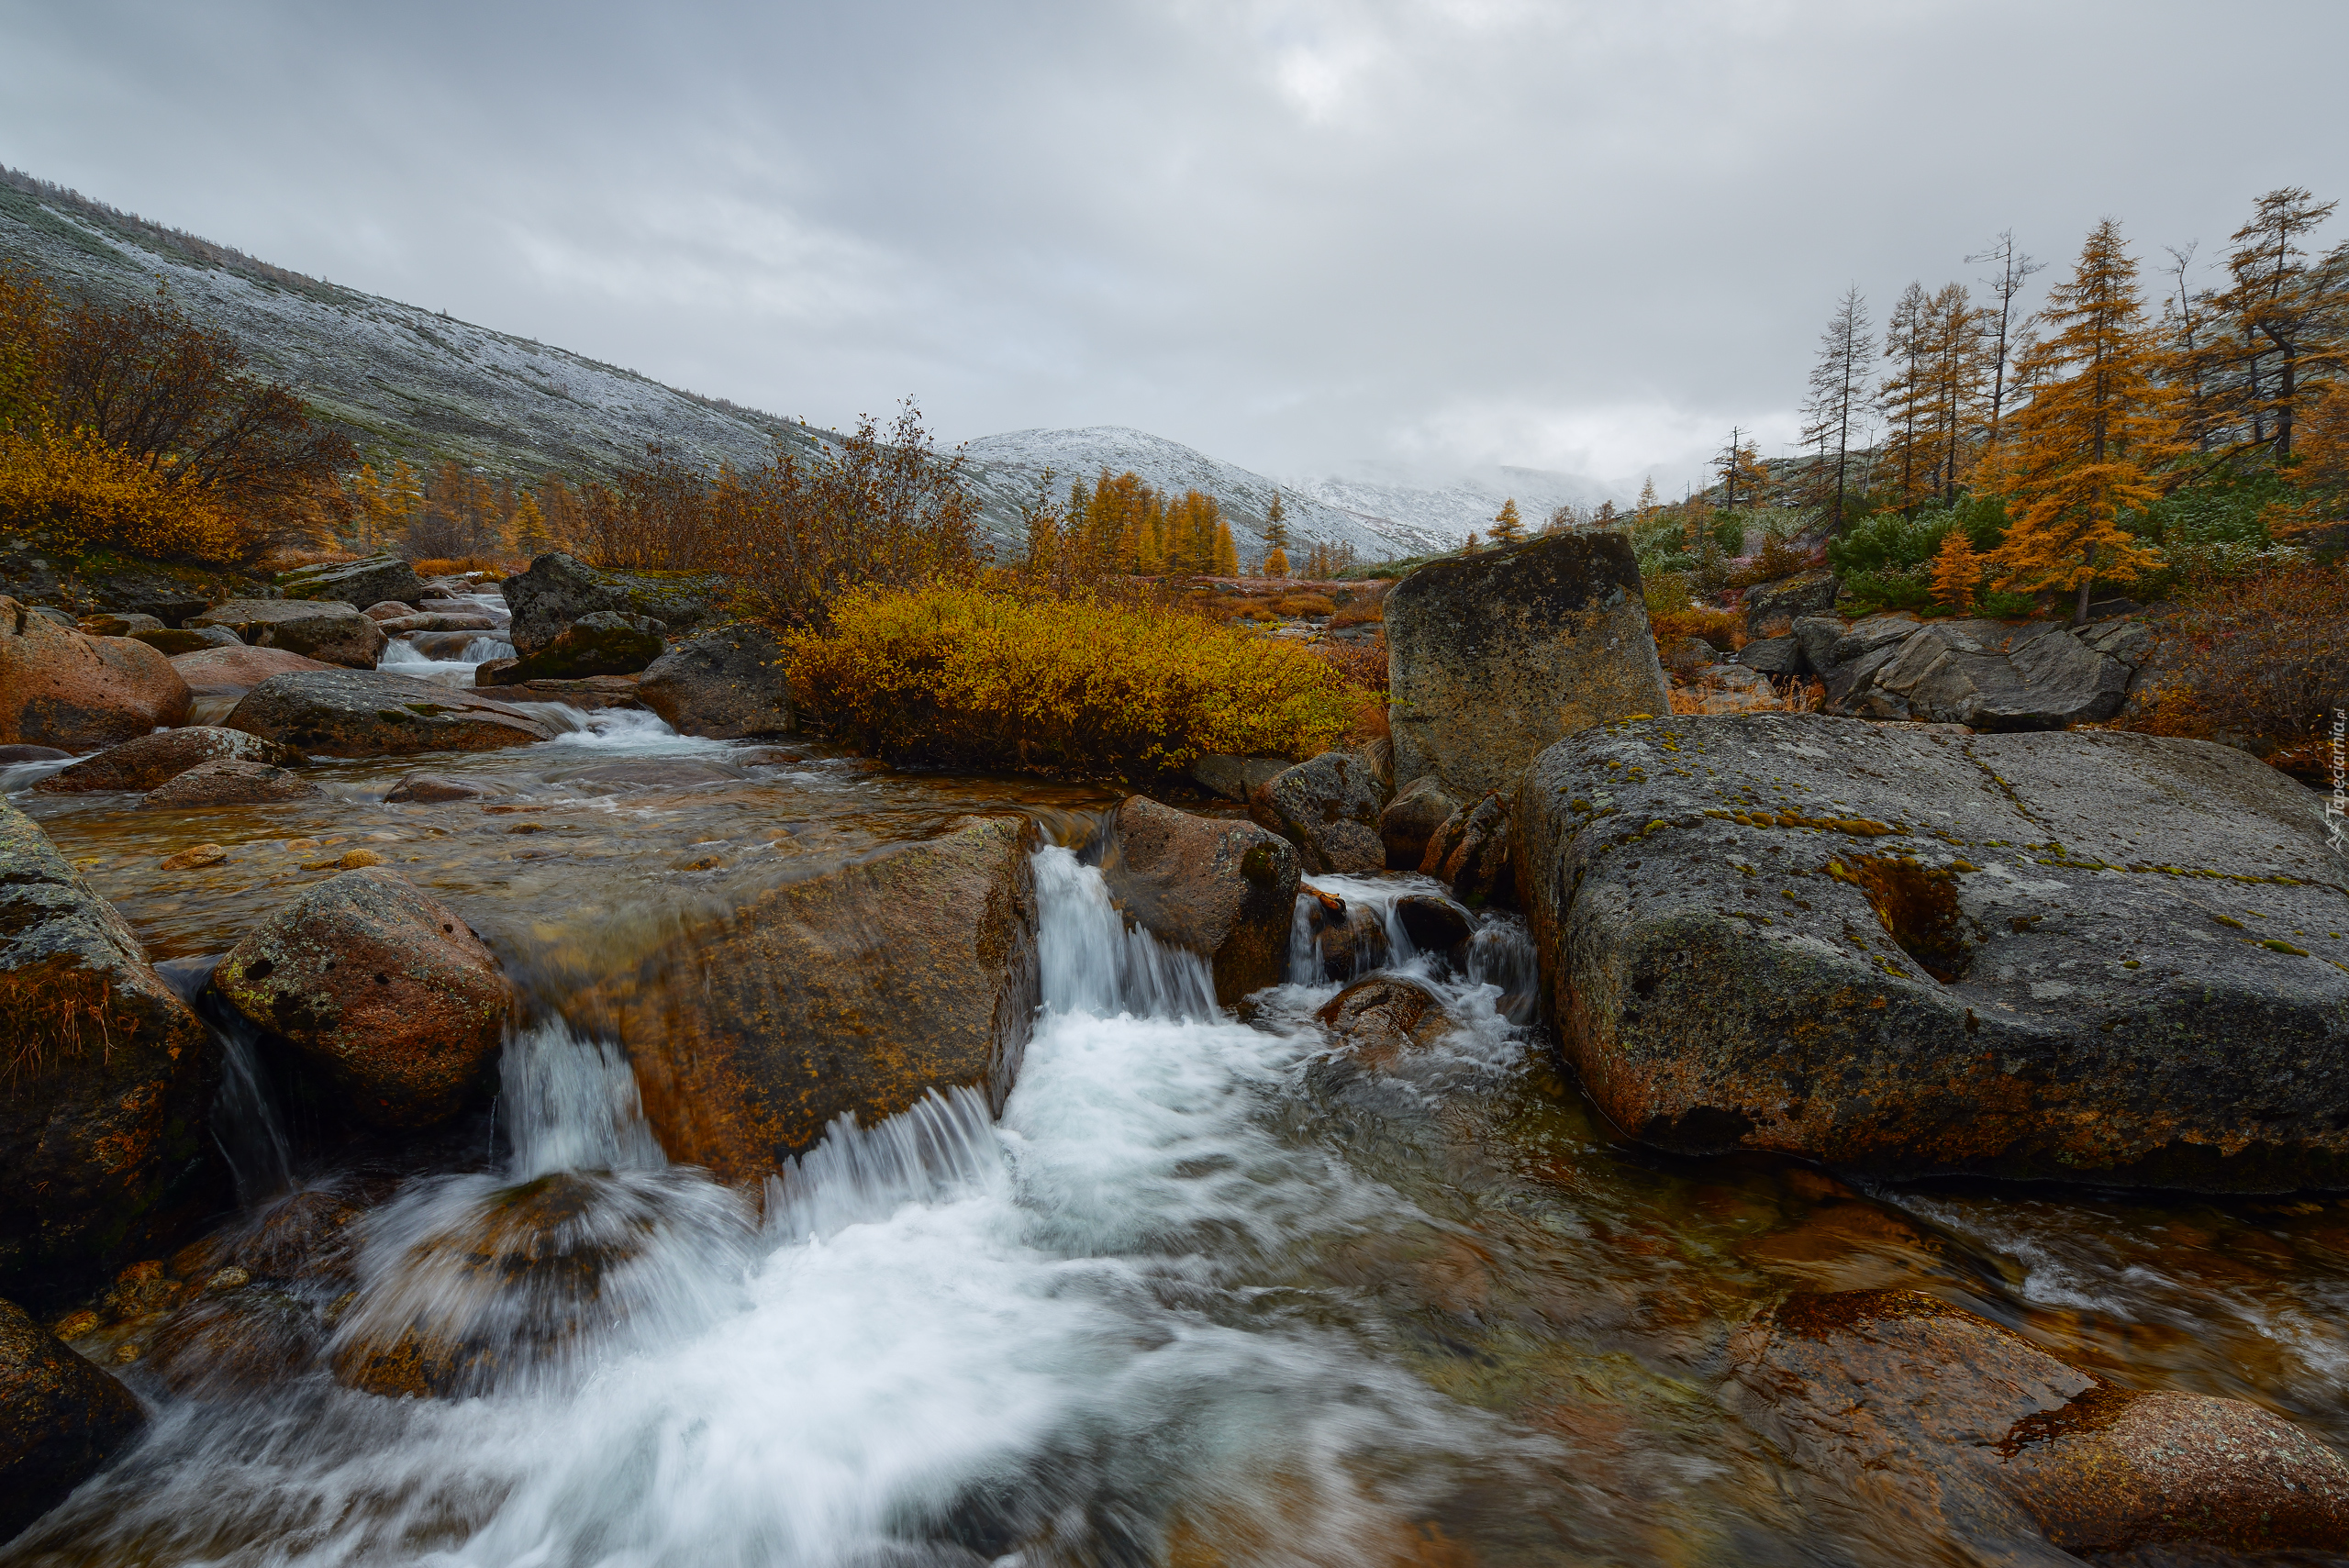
x,y
60,1419
354,583
2092,954
367,713
1493,656
1988,674
1770,605
60,687
559,589
327,631
1940,1424
1329,808
104,1152
149,760
381,987
234,670
858,991
602,642
728,685
1222,889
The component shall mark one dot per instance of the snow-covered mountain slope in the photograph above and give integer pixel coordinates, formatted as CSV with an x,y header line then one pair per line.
x,y
406,382
1006,469
1386,499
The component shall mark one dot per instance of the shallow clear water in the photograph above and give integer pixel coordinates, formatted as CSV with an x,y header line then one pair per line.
x,y
1209,1291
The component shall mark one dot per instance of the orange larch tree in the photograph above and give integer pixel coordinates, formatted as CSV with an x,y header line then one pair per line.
x,y
2084,450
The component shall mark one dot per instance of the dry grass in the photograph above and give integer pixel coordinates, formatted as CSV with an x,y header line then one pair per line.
x,y
2260,659
491,567
1298,606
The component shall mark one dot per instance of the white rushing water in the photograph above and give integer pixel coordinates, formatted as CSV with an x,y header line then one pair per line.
x,y
949,1336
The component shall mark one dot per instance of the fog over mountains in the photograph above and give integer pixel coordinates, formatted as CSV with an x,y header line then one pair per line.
x,y
412,384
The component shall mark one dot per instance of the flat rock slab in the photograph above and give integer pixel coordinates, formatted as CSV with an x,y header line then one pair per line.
x,y
233,671
356,713
151,759
327,631
367,582
2091,954
592,693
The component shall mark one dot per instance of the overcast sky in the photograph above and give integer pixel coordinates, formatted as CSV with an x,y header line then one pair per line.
x,y
1588,237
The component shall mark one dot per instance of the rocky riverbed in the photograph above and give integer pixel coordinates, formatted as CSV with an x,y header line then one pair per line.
x,y
619,1145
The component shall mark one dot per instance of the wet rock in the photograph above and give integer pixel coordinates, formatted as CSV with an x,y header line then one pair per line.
x,y
118,623
603,642
191,858
861,990
327,631
2088,953
60,1419
491,672
437,621
1789,600
1234,777
173,640
103,1146
1224,890
354,583
233,669
387,609
431,789
235,1341
558,590
1415,815
382,987
1434,925
61,689
1329,808
11,754
1780,656
728,685
592,693
1349,939
151,759
231,781
366,713
1941,1423
1378,1019
444,644
1471,853
1497,654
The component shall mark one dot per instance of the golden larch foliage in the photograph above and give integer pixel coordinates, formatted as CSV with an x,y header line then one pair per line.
x,y
1957,572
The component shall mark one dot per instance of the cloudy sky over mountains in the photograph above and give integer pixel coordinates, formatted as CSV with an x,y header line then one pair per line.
x,y
1568,236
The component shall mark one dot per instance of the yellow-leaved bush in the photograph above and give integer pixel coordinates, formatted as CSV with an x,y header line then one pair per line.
x,y
980,678
78,491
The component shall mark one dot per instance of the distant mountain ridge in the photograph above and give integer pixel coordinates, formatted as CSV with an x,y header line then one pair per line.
x,y
412,384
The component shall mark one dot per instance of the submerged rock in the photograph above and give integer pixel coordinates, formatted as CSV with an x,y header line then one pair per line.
x,y
366,713
727,684
103,1146
855,992
152,759
61,688
604,642
1376,1020
1329,808
231,781
354,583
329,631
60,1419
1222,889
431,789
1497,654
380,986
2083,954
1944,1424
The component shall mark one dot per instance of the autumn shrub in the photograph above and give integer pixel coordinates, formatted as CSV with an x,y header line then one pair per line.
x,y
1296,606
1363,609
2262,657
490,567
76,490
955,676
1774,561
1673,613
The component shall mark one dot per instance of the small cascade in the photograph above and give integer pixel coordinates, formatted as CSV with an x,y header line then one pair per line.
x,y
858,1175
1374,935
1095,963
246,1123
571,1105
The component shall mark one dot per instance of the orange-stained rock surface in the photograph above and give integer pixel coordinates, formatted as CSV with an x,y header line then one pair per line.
x,y
61,688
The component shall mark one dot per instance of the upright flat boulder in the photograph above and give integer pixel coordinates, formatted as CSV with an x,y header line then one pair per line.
x,y
149,760
1222,889
61,688
1329,808
2089,955
381,987
1493,656
60,1419
728,684
366,713
859,990
104,1152
330,631
559,589
354,582
1942,1424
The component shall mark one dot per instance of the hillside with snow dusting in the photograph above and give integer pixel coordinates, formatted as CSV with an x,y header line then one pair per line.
x,y
1383,499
